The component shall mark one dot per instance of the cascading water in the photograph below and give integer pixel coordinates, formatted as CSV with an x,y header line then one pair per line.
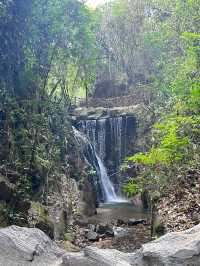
x,y
101,138
112,139
106,185
117,134
110,194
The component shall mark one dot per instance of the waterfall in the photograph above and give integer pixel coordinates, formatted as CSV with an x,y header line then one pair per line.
x,y
107,133
106,185
112,139
101,138
116,135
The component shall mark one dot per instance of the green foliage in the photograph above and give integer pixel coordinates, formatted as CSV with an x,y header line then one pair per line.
x,y
132,188
47,54
175,143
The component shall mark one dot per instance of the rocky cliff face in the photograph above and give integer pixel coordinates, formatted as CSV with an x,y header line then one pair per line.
x,y
56,202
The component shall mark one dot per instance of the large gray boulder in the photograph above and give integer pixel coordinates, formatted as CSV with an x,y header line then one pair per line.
x,y
30,246
173,249
21,246
93,256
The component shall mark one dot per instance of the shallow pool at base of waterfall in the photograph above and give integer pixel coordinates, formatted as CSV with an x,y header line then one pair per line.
x,y
110,212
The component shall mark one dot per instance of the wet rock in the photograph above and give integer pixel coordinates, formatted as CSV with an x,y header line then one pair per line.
x,y
92,227
47,227
121,231
6,192
81,221
120,222
38,217
133,222
105,230
92,236
196,217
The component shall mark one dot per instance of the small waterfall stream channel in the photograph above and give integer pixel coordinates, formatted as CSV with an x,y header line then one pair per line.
x,y
118,223
108,190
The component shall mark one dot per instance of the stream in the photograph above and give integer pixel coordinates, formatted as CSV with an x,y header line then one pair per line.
x,y
118,223
109,212
120,226
126,238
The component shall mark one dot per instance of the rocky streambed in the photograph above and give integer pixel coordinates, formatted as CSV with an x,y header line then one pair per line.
x,y
120,225
30,246
121,238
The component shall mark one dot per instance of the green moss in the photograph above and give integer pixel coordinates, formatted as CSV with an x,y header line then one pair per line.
x,y
68,246
3,215
159,228
68,237
42,220
40,211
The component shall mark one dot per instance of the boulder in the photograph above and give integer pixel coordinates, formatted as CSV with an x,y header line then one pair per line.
x,y
120,222
92,236
93,256
77,259
92,227
38,217
105,257
81,221
173,249
121,231
21,246
6,191
63,204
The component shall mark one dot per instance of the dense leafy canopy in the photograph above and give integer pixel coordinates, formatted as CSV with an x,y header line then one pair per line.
x,y
46,52
174,44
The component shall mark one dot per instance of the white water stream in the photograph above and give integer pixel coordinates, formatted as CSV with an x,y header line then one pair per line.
x,y
107,186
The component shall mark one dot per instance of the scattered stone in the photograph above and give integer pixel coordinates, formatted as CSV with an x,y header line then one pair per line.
x,y
120,222
121,231
133,222
92,227
173,249
30,246
196,217
82,221
92,236
105,230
